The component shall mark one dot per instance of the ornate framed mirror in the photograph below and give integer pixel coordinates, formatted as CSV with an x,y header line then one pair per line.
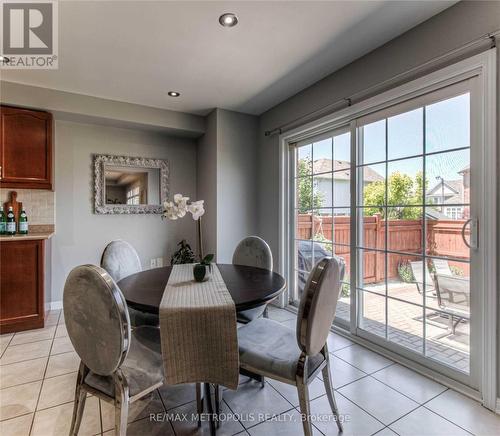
x,y
129,185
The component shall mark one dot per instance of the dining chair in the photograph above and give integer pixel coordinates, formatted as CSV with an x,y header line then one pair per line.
x,y
296,357
118,365
120,259
253,251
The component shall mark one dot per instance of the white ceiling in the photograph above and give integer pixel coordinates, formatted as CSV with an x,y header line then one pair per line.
x,y
137,51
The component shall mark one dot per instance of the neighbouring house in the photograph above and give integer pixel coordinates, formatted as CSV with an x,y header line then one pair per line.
x,y
452,195
324,169
449,195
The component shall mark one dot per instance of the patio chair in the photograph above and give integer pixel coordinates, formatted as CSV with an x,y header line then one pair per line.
x,y
442,267
417,269
453,294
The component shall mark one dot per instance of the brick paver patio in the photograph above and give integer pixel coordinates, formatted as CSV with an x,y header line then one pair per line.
x,y
405,323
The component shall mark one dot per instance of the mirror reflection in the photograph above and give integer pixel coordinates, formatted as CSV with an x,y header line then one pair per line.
x,y
132,186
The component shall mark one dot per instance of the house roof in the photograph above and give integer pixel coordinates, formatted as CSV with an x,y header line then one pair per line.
x,y
342,170
453,192
465,169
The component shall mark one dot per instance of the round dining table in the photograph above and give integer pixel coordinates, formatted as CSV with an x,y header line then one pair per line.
x,y
249,286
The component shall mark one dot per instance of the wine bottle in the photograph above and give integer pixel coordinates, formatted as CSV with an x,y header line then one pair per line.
x,y
3,222
11,222
23,222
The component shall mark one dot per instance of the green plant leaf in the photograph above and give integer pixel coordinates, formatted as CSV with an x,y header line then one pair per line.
x,y
207,259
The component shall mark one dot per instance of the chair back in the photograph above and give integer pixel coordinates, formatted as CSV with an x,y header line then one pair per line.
x,y
318,304
418,271
442,267
120,260
453,292
96,318
253,251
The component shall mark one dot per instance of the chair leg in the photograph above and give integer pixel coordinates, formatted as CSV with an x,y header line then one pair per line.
x,y
218,402
305,408
330,394
199,403
80,397
121,406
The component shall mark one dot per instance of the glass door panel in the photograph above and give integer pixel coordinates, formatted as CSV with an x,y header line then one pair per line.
x,y
322,209
413,200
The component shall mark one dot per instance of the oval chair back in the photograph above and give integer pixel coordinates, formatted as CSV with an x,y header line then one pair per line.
x,y
253,251
318,304
120,259
96,318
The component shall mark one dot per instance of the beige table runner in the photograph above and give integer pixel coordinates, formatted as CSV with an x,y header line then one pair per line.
x,y
198,330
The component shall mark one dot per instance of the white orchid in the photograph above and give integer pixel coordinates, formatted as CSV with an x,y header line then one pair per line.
x,y
180,200
180,206
196,208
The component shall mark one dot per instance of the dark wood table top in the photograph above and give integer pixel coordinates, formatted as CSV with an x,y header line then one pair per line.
x,y
249,286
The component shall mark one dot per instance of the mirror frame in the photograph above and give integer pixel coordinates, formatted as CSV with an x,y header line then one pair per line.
x,y
100,206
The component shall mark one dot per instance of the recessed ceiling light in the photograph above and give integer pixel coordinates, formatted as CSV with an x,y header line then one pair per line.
x,y
174,94
228,20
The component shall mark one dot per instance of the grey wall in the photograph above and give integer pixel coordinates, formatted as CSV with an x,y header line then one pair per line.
x,y
236,180
455,26
227,181
80,234
206,172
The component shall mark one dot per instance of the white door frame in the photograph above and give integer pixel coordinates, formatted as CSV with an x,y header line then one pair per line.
x,y
482,66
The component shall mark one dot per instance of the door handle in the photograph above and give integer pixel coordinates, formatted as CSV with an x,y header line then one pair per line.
x,y
474,234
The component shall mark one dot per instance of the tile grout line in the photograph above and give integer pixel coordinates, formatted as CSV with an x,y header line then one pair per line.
x,y
40,379
165,410
8,344
43,381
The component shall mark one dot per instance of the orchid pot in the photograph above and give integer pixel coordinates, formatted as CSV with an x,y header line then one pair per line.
x,y
203,270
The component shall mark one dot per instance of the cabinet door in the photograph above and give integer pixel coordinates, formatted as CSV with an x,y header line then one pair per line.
x,y
21,285
26,148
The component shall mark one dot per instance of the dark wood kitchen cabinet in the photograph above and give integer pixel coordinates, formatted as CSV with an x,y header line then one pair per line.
x,y
25,148
22,282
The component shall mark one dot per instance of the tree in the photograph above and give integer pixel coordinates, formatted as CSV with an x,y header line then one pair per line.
x,y
402,191
309,196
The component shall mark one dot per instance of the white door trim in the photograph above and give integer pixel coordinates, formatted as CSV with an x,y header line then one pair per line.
x,y
483,66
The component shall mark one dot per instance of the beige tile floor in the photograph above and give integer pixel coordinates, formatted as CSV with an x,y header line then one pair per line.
x,y
374,394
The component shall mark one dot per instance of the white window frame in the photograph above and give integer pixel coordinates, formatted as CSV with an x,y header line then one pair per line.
x,y
482,66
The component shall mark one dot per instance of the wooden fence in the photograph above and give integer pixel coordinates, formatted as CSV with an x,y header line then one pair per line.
x,y
443,238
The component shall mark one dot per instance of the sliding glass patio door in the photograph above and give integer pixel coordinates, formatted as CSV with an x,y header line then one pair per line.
x,y
393,193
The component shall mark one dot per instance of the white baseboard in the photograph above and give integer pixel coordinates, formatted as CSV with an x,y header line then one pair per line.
x,y
54,305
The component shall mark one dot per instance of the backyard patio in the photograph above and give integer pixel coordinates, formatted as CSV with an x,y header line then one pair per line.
x,y
405,323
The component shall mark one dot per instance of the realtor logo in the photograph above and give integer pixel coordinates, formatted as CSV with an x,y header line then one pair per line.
x,y
29,34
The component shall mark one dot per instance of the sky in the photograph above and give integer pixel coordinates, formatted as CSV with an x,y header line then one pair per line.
x,y
447,127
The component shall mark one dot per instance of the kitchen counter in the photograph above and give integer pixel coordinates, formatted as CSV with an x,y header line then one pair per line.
x,y
36,232
32,236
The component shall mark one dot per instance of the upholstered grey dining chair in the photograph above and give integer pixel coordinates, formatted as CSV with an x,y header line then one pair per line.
x,y
253,251
118,365
120,259
278,352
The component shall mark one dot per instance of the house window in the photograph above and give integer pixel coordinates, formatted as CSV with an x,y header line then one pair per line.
x,y
133,196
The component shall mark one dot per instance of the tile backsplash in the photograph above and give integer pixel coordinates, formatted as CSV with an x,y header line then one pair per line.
x,y
38,203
